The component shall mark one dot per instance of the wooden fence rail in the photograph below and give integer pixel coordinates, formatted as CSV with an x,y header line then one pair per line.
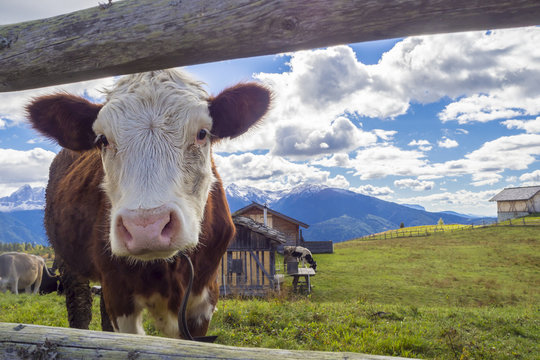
x,y
45,342
427,231
141,35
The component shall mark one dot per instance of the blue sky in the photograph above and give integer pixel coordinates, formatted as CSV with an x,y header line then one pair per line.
x,y
444,121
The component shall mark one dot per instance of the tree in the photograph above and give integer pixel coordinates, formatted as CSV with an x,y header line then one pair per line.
x,y
440,222
402,225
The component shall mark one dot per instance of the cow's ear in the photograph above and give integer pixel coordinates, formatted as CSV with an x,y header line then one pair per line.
x,y
65,118
237,108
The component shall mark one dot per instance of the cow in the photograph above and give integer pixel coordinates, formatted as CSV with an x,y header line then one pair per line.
x,y
134,187
50,282
21,271
298,253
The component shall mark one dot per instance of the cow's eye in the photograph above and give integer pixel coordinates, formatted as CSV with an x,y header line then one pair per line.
x,y
101,140
202,135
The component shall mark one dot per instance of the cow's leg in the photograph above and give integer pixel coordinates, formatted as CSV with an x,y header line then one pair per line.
x,y
39,279
15,286
130,323
201,308
121,307
106,324
78,298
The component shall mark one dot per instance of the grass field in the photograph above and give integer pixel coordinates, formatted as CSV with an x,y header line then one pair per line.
x,y
454,295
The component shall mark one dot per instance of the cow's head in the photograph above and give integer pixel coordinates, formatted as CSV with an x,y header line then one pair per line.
x,y
155,132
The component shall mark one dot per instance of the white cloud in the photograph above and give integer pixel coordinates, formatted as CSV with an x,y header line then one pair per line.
x,y
272,172
532,178
447,143
414,184
492,74
24,167
385,135
301,142
504,73
378,191
423,145
460,201
12,104
484,165
530,126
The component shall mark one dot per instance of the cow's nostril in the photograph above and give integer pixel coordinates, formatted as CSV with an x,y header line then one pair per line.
x,y
171,227
123,231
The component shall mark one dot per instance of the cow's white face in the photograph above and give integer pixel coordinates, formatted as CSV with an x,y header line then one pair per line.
x,y
154,133
154,136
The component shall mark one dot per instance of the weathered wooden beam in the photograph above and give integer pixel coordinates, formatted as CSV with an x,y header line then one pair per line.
x,y
45,342
141,35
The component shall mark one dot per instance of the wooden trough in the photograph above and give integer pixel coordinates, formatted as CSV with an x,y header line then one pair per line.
x,y
19,341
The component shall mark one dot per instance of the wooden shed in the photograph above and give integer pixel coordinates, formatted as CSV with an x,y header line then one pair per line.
x,y
249,265
517,202
275,220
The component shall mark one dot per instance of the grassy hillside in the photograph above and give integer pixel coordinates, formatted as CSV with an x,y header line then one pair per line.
x,y
460,295
481,267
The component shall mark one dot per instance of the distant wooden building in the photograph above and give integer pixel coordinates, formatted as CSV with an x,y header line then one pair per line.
x,y
275,220
249,265
517,202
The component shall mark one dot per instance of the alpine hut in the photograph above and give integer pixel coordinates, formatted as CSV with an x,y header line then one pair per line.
x,y
517,202
249,265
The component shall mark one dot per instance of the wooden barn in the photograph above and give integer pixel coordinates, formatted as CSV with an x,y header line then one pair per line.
x,y
275,220
249,265
517,202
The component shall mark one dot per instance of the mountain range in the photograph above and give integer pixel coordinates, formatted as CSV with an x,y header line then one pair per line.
x,y
331,213
339,215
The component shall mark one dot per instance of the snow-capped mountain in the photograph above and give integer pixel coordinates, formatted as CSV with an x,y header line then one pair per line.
x,y
21,216
240,196
24,198
338,214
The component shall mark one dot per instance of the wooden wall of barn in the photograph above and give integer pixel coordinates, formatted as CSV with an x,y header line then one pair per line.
x,y
291,230
248,266
517,208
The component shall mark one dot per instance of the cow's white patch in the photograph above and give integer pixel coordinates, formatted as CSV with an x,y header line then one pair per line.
x,y
200,308
130,324
153,157
165,320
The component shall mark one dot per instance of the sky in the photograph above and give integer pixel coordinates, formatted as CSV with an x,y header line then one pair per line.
x,y
443,121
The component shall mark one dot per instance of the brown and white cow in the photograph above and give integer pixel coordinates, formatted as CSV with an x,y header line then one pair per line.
x,y
136,185
21,271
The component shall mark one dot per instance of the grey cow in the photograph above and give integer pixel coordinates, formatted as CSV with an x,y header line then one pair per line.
x,y
20,270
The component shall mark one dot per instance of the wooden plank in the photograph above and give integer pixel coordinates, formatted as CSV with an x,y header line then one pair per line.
x,y
306,271
45,342
141,35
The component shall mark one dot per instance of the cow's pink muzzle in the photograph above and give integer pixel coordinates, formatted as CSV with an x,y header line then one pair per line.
x,y
144,231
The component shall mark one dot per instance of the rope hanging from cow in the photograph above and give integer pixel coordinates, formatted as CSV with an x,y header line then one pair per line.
x,y
182,318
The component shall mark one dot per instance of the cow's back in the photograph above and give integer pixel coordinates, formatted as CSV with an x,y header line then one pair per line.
x,y
75,209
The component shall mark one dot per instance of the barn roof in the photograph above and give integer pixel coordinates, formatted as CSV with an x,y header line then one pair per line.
x,y
270,211
254,226
517,193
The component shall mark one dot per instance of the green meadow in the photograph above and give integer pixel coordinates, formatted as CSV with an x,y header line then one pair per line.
x,y
470,294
